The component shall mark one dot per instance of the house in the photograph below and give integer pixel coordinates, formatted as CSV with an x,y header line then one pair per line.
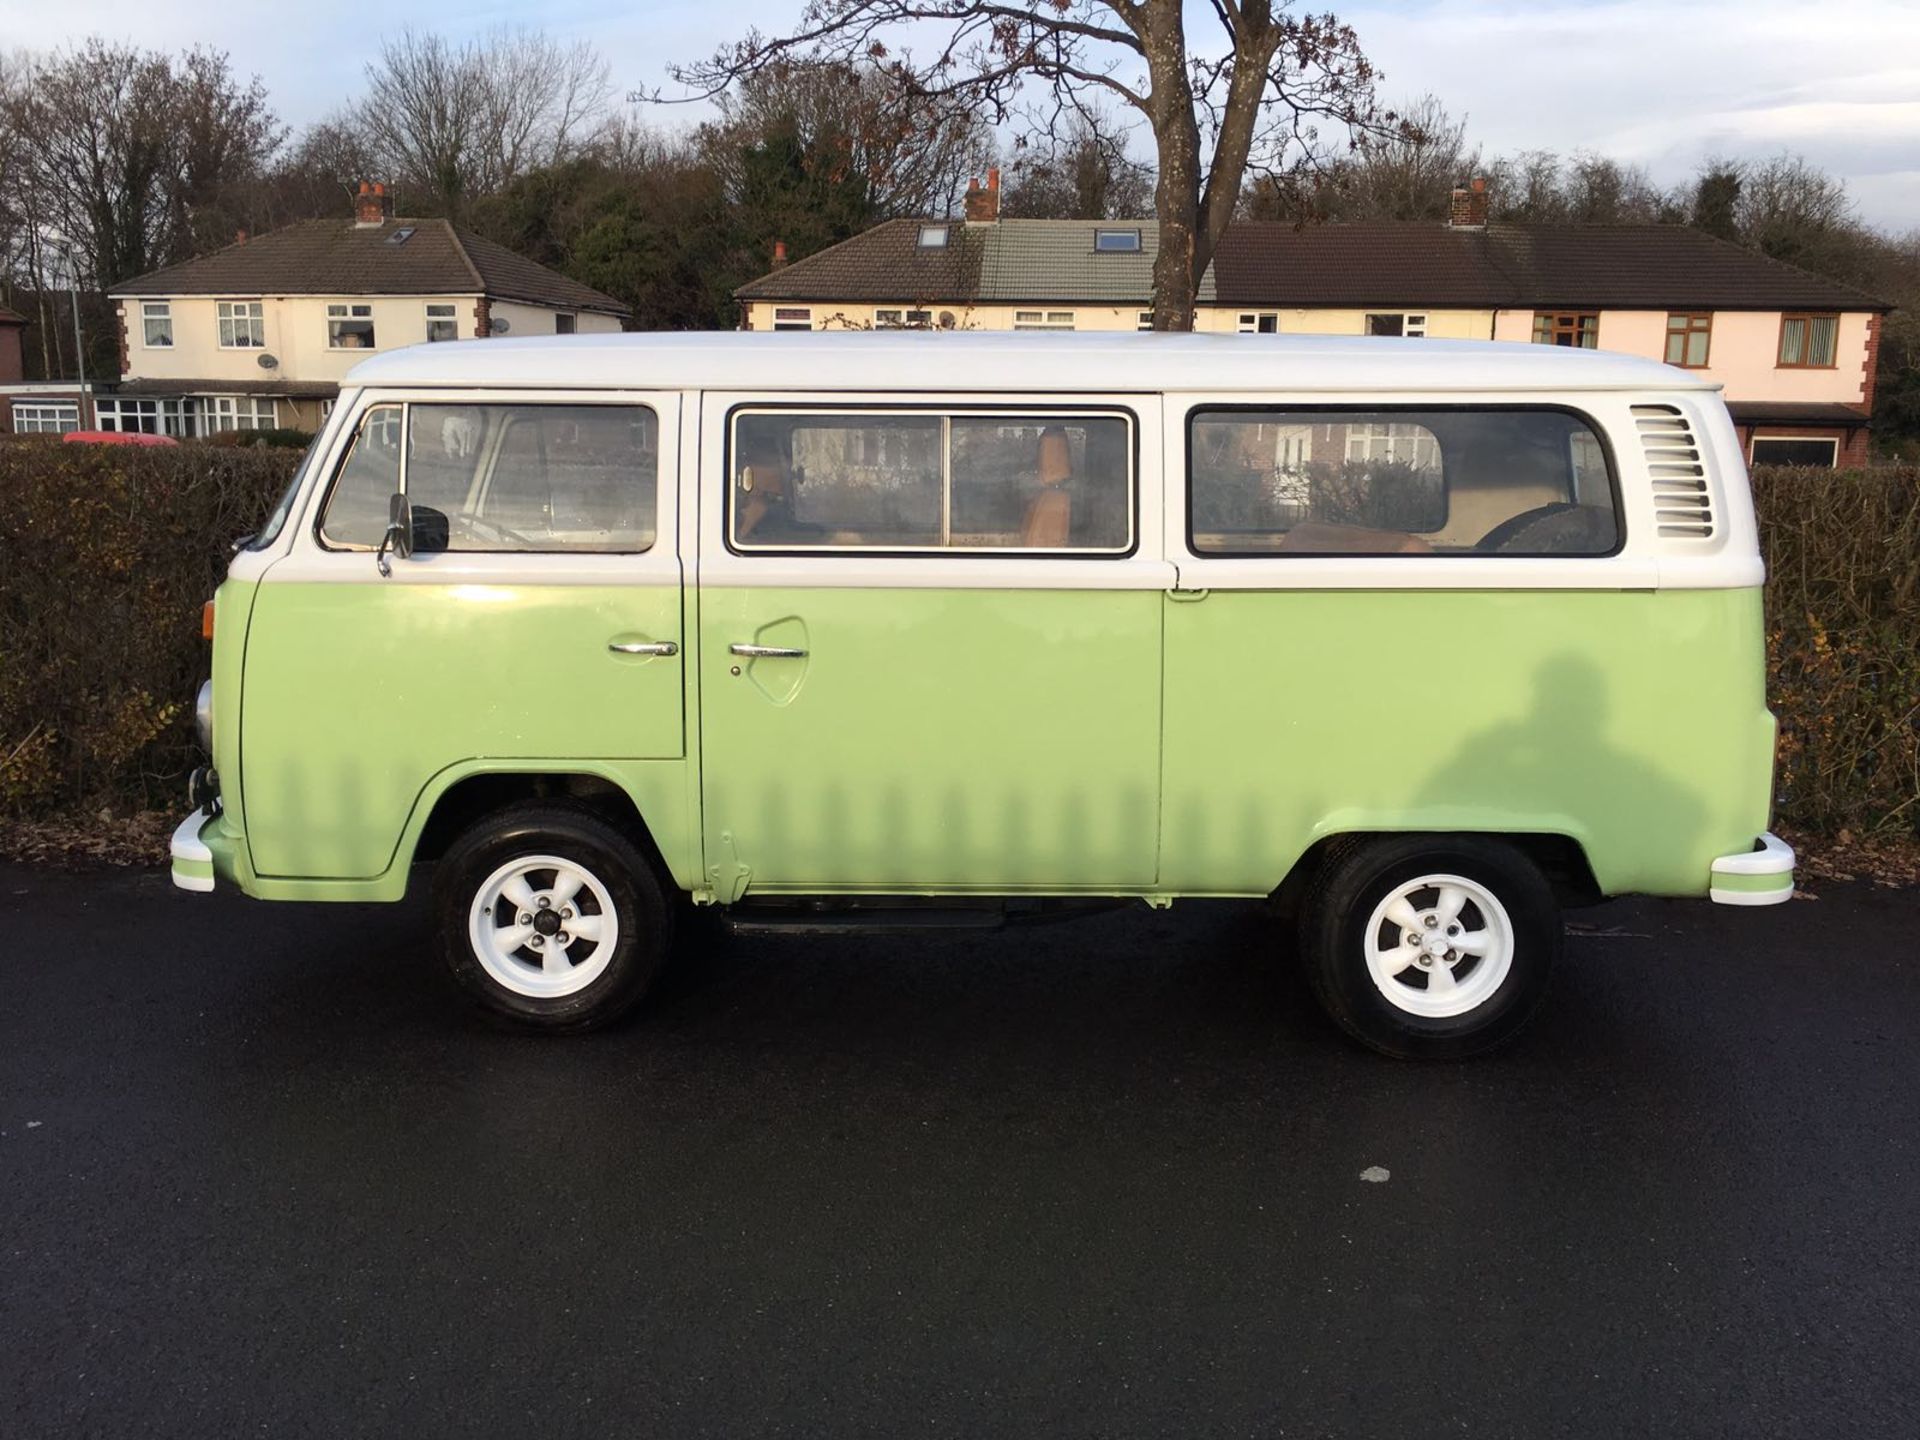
x,y
34,407
259,334
1795,352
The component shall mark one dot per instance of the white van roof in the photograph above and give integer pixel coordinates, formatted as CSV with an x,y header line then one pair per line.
x,y
972,360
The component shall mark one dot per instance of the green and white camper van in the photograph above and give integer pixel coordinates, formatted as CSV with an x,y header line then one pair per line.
x,y
1423,640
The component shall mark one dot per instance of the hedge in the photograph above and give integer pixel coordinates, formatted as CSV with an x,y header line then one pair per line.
x,y
107,552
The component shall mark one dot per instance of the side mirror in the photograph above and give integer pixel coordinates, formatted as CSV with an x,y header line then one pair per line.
x,y
399,536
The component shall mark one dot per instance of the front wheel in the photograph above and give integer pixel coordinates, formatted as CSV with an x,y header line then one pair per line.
x,y
1430,947
551,917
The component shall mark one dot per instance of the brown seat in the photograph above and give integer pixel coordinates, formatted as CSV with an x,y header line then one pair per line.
x,y
1049,520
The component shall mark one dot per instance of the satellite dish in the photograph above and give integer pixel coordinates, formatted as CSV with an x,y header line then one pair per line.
x,y
947,321
498,325
268,362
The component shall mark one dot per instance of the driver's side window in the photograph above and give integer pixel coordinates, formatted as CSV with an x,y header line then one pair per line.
x,y
503,478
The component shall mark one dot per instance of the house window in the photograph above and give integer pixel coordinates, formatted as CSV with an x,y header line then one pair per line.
x,y
148,417
1579,329
443,323
241,412
350,327
903,319
156,324
787,318
45,417
1117,242
1390,323
1809,342
1143,320
565,324
1688,337
933,237
1261,322
1043,319
1796,450
243,325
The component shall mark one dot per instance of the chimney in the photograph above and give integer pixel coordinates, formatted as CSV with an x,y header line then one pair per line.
x,y
1469,208
239,237
983,206
370,205
779,254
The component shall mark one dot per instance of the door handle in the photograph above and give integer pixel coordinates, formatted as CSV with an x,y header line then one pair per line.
x,y
643,647
767,652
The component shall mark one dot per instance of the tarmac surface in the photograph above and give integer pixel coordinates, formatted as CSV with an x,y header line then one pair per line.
x,y
262,1171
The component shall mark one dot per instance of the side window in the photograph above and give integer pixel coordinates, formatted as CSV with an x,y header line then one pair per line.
x,y
890,481
1398,481
537,478
356,515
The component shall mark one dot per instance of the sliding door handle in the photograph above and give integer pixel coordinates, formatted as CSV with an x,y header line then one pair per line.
x,y
643,647
767,652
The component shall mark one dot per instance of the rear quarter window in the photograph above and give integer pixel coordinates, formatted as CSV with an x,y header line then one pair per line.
x,y
1394,480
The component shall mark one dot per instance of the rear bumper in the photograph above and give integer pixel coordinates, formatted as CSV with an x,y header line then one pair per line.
x,y
1760,876
192,855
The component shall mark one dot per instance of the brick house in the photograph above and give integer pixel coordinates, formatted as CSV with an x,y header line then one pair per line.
x,y
259,334
1795,352
34,407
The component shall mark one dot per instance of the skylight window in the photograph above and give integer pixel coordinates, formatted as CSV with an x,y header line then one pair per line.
x,y
933,237
1117,241
401,236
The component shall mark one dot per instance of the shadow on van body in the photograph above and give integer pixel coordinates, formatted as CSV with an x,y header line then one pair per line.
x,y
1564,765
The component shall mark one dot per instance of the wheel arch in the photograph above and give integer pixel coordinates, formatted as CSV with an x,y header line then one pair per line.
x,y
1562,858
461,795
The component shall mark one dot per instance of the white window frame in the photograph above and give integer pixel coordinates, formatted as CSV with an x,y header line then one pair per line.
x,y
1377,442
1118,233
792,317
1258,322
242,324
1143,320
350,310
1833,460
45,417
1043,319
934,237
240,412
442,313
1413,324
154,312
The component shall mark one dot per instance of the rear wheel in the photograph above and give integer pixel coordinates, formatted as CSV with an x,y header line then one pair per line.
x,y
551,917
1430,947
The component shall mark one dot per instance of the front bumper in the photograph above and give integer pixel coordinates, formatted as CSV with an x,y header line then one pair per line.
x,y
1760,876
192,856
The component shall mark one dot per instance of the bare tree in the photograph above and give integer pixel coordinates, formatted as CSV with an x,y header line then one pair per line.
x,y
1251,99
461,121
849,123
1407,172
1087,174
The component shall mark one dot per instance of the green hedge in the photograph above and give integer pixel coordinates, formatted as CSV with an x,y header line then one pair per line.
x,y
106,553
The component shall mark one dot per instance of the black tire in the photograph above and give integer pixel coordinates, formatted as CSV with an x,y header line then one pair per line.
x,y
640,906
1359,876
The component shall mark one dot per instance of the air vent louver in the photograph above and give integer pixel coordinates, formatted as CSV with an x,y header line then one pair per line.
x,y
1682,505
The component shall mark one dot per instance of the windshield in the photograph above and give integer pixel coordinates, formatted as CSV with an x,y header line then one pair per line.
x,y
276,520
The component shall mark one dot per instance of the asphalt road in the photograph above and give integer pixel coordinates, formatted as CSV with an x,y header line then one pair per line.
x,y
262,1172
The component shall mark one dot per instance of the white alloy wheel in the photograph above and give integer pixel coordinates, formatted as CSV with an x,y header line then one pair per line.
x,y
1439,946
543,926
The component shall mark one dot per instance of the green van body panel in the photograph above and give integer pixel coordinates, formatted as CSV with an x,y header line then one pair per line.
x,y
1633,722
361,699
993,741
955,740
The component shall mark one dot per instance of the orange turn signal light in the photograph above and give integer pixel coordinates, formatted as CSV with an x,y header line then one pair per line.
x,y
206,621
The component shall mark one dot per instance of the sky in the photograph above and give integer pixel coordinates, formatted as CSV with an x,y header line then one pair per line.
x,y
1660,83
